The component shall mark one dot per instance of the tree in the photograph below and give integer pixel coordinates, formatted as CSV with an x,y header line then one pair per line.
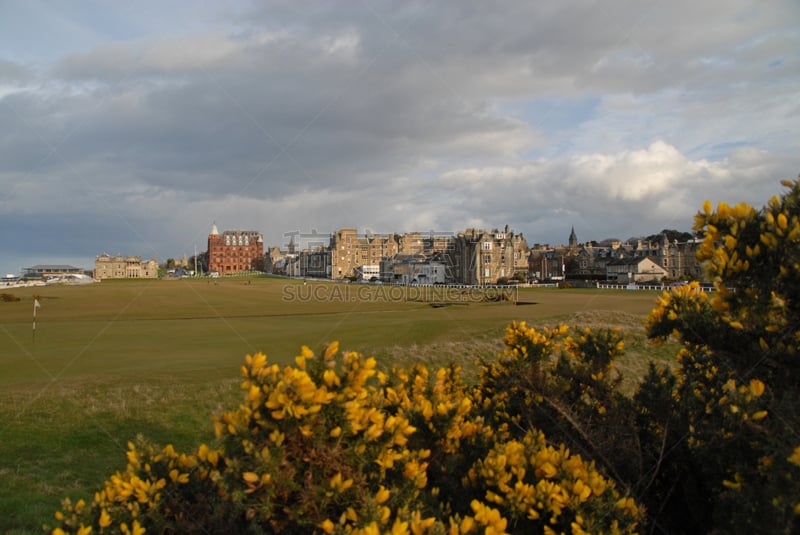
x,y
672,235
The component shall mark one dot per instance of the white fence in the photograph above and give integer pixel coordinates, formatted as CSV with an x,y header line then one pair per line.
x,y
657,287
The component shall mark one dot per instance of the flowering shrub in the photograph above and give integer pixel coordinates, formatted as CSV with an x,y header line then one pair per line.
x,y
333,445
564,382
728,418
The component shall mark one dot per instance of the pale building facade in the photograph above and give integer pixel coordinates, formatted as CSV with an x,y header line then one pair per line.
x,y
633,270
350,250
480,257
124,267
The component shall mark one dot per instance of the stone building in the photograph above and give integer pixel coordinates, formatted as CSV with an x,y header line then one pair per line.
x,y
351,254
235,251
350,250
590,260
633,270
547,263
314,263
274,260
481,257
413,269
124,267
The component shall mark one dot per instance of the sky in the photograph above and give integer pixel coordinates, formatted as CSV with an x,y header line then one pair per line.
x,y
133,127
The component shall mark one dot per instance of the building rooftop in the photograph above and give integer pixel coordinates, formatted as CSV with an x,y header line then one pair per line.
x,y
53,267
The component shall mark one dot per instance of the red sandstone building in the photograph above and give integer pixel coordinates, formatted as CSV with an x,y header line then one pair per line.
x,y
235,251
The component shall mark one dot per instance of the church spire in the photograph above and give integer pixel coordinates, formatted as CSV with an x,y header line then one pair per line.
x,y
573,239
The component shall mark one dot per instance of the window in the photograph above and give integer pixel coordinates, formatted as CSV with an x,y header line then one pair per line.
x,y
486,246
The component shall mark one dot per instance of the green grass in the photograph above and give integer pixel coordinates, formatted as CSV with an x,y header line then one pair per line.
x,y
115,360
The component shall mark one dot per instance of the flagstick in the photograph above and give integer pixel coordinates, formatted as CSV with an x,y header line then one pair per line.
x,y
35,306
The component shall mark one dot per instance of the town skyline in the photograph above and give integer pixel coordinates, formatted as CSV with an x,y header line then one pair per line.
x,y
297,242
133,127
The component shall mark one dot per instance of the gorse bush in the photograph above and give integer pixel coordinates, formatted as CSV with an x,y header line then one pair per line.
x,y
544,442
727,420
333,445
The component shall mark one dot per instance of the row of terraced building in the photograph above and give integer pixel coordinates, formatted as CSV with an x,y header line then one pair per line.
x,y
472,256
469,257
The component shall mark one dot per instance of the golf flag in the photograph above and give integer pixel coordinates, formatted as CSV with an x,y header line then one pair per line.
x,y
36,306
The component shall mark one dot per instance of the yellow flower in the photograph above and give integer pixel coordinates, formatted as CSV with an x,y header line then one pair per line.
x,y
731,484
581,490
756,387
488,517
327,526
382,495
330,377
105,519
794,458
277,437
628,506
177,477
331,350
340,484
399,527
419,525
546,470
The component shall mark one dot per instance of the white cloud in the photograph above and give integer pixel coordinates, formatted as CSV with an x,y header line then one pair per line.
x,y
615,194
631,175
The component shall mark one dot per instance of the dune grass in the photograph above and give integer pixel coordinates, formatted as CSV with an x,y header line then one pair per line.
x,y
157,358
